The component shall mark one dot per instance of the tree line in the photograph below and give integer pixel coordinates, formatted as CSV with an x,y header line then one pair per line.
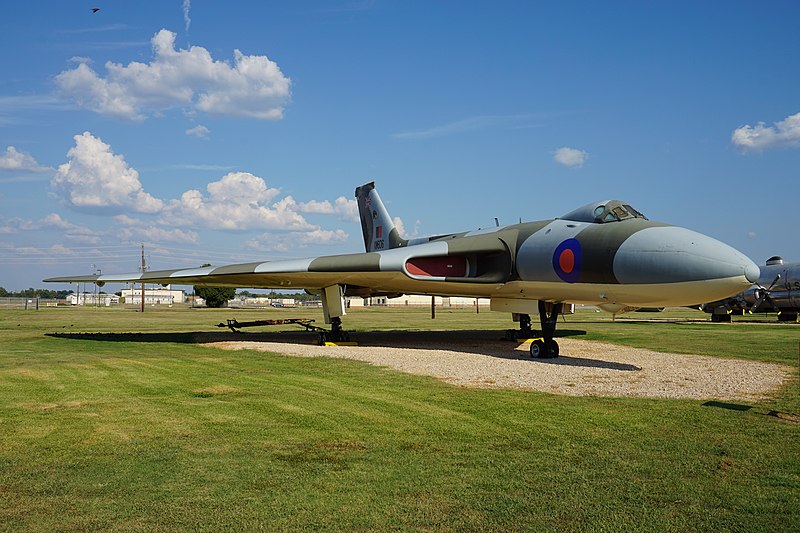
x,y
298,296
214,296
219,296
45,294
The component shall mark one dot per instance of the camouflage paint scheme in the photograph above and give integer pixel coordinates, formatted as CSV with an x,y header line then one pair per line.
x,y
604,253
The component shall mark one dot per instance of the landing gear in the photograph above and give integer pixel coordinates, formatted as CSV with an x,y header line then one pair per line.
x,y
541,349
547,347
333,309
544,346
336,334
524,331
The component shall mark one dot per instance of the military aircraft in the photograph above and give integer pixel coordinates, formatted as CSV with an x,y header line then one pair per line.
x,y
777,290
605,253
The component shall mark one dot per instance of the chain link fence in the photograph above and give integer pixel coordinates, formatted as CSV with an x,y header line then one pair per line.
x,y
28,303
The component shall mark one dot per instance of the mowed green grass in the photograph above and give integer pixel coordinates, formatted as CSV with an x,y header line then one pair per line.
x,y
159,433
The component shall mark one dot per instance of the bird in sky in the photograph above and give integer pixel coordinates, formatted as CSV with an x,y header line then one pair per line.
x,y
95,9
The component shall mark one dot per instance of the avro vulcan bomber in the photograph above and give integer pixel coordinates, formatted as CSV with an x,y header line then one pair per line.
x,y
605,253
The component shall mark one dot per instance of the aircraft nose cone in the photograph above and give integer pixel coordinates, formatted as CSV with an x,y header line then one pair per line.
x,y
677,255
752,272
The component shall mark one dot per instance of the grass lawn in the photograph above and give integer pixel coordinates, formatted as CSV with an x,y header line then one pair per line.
x,y
171,435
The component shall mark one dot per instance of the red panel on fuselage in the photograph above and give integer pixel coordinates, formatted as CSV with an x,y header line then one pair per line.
x,y
441,266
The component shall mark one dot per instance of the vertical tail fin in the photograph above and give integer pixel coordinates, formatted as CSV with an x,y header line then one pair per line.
x,y
376,224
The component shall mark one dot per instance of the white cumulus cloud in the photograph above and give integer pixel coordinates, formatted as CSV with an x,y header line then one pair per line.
x,y
401,228
70,231
137,230
322,236
784,134
238,201
14,160
125,220
153,233
253,86
344,208
570,157
199,131
73,232
16,224
286,242
96,179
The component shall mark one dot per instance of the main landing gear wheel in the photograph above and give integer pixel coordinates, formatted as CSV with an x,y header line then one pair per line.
x,y
524,331
537,348
332,336
336,334
542,349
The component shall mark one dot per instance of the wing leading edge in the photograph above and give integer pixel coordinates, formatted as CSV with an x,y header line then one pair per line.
x,y
311,273
270,274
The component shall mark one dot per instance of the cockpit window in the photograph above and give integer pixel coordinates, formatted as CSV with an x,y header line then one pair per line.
x,y
620,212
614,211
604,212
635,213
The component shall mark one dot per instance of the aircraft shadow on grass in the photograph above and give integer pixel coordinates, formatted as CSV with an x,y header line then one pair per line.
x,y
482,342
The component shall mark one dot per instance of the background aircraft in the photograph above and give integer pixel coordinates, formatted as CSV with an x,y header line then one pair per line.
x,y
605,253
776,291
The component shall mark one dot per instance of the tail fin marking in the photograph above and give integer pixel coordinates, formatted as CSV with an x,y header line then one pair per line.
x,y
377,226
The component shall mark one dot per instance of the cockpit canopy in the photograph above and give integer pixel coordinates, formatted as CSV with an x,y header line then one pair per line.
x,y
603,212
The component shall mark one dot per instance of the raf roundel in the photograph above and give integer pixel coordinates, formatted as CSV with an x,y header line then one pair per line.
x,y
567,260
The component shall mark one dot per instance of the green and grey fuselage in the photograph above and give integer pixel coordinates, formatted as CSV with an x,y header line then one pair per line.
x,y
605,253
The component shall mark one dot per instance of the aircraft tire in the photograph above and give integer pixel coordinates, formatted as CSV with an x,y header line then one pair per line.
x,y
551,349
537,348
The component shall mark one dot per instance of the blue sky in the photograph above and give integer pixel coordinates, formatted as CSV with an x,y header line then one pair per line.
x,y
237,131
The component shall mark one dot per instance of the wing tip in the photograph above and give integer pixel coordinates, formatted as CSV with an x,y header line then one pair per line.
x,y
71,279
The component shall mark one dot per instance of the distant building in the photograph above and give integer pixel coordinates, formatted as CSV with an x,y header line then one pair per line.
x,y
417,300
260,302
91,299
154,295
